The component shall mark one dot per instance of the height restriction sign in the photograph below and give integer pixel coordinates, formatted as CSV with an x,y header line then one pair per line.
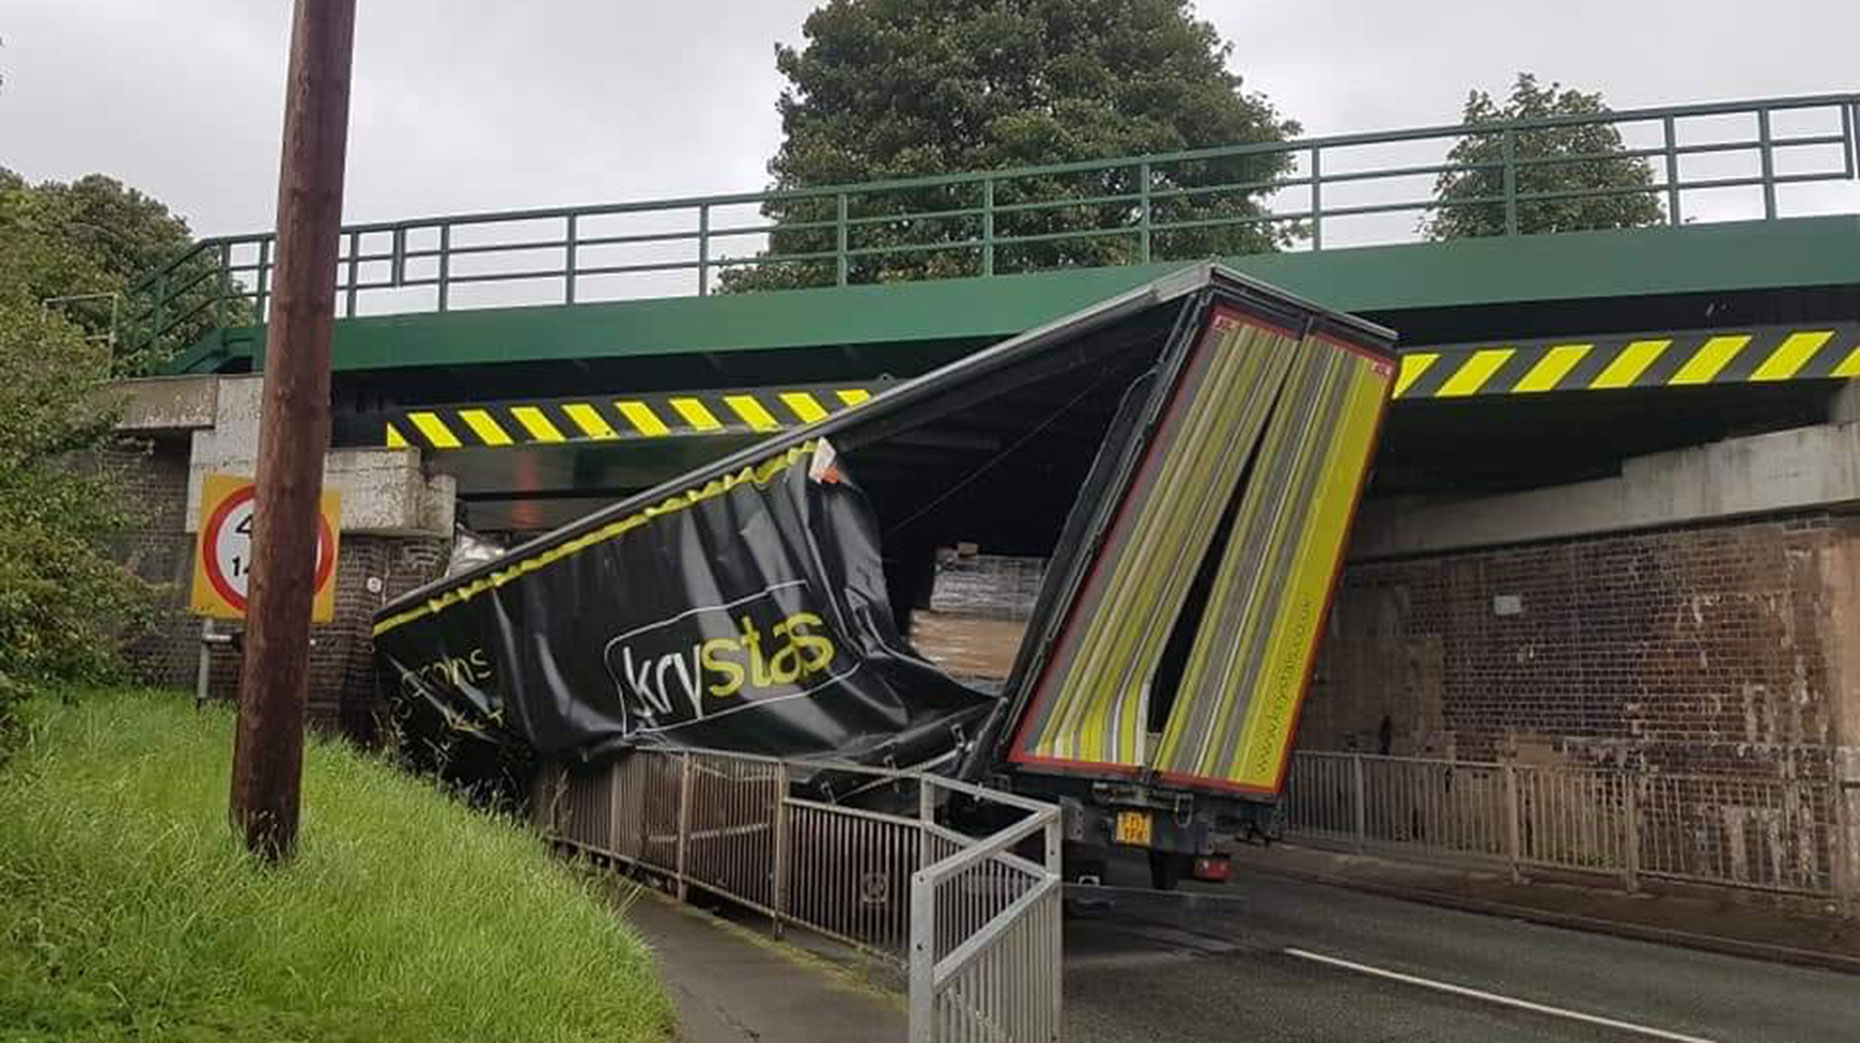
x,y
223,566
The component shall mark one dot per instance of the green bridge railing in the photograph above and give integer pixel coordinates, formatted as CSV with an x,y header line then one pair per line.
x,y
1137,209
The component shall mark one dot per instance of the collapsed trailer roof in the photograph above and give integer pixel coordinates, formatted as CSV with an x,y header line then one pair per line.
x,y
1187,456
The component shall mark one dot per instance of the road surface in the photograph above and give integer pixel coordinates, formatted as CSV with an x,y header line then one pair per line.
x,y
1269,959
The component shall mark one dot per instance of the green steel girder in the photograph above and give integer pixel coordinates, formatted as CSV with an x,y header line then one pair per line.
x,y
1736,256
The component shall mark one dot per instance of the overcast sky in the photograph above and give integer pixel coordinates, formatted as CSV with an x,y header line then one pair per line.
x,y
495,104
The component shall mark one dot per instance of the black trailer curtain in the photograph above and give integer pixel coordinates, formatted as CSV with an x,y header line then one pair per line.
x,y
748,613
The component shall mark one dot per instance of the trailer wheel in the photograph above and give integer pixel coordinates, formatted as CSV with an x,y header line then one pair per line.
x,y
1166,869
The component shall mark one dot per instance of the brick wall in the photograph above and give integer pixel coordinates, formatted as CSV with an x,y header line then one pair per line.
x,y
160,550
153,477
1702,649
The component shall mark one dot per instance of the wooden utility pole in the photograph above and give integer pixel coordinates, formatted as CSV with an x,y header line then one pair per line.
x,y
293,430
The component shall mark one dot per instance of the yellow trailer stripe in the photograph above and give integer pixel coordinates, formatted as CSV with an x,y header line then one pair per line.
x,y
590,420
1712,357
1630,364
1850,366
1474,372
537,423
697,414
641,416
396,440
1791,355
751,411
853,396
435,430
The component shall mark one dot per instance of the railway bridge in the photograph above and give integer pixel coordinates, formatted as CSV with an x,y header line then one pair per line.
x,y
1611,523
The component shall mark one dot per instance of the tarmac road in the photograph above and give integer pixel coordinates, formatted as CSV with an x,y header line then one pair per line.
x,y
1269,958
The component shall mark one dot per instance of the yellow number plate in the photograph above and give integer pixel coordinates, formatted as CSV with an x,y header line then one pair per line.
x,y
1133,828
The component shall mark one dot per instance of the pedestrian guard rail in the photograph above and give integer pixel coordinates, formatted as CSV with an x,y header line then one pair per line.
x,y
1512,178
1786,835
973,917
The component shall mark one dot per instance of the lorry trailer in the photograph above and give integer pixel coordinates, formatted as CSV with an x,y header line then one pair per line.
x,y
1186,459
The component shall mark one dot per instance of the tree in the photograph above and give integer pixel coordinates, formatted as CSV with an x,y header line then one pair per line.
x,y
99,239
1629,200
893,89
65,606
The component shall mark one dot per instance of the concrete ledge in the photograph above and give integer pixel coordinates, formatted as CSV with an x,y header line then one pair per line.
x,y
164,403
1799,469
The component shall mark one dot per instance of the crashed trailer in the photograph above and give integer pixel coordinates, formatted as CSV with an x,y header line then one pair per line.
x,y
1186,457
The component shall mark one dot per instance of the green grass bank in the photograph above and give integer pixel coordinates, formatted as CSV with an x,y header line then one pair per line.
x,y
128,911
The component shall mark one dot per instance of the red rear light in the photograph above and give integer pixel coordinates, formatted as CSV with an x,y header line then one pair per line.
x,y
1215,869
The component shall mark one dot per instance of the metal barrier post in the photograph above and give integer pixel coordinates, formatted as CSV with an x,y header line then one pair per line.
x,y
1514,847
1053,849
684,820
616,808
778,890
1630,807
922,959
1358,808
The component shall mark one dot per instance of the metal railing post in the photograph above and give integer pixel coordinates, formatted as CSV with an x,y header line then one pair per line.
x,y
1630,806
1317,199
1058,941
1768,155
1514,846
988,227
1672,171
840,260
684,821
399,264
568,272
225,282
922,959
778,889
1143,190
616,808
1359,808
445,264
264,276
703,264
1511,183
355,274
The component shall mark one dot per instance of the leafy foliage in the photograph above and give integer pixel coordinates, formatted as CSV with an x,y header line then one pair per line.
x,y
64,605
98,242
898,89
1629,200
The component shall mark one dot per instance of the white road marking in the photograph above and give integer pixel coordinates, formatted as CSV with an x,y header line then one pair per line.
x,y
1493,997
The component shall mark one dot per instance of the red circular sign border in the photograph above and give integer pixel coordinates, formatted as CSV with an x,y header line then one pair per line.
x,y
209,539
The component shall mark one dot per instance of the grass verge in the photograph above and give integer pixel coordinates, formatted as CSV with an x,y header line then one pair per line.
x,y
128,911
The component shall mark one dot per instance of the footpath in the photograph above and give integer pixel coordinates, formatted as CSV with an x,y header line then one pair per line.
x,y
734,985
1768,927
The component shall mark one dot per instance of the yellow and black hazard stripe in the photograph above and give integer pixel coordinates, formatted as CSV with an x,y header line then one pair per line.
x,y
617,417
1643,360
